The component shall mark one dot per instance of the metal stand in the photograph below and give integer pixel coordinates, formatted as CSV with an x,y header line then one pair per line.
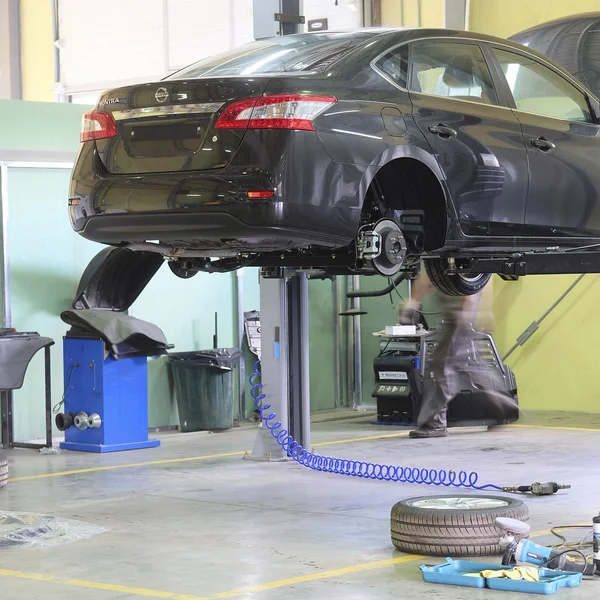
x,y
8,416
284,360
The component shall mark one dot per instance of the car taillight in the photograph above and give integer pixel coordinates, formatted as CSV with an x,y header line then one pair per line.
x,y
259,195
97,125
279,111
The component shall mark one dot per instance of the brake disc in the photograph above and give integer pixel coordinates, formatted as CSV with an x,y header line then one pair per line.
x,y
392,248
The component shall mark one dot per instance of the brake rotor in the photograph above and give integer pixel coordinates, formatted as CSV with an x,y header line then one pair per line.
x,y
393,248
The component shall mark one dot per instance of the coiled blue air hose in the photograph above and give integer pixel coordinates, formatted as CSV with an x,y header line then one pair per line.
x,y
355,468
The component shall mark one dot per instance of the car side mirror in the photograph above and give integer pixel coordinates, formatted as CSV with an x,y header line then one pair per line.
x,y
595,105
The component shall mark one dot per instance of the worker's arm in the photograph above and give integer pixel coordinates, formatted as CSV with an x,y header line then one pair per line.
x,y
420,288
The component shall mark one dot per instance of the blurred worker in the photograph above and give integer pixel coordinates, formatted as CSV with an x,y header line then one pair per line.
x,y
450,357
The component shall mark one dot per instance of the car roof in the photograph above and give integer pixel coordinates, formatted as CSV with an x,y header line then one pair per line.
x,y
398,35
401,33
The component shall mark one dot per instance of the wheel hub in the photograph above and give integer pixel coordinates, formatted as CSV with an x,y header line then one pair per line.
x,y
384,246
459,503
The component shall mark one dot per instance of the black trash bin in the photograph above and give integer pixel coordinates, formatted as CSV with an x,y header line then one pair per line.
x,y
204,388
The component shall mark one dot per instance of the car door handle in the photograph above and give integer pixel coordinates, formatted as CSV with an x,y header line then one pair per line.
x,y
444,131
542,144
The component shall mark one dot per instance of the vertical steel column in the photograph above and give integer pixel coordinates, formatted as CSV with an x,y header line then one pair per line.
x,y
264,17
298,358
290,7
356,349
305,361
239,289
4,259
274,364
11,87
7,419
6,396
284,361
166,37
337,349
58,85
48,390
232,43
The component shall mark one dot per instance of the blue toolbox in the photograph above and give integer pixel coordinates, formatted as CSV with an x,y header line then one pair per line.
x,y
463,573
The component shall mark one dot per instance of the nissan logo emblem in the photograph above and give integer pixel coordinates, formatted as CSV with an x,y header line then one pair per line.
x,y
162,95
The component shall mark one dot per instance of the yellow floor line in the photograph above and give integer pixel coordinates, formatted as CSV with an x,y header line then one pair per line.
x,y
362,439
168,461
317,576
92,585
148,463
597,430
262,587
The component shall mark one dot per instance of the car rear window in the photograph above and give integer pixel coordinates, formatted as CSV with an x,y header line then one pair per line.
x,y
291,53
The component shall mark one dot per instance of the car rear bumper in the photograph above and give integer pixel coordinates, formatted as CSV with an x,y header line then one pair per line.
x,y
273,226
315,200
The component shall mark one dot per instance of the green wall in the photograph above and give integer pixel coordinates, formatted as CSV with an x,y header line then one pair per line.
x,y
47,259
40,126
556,369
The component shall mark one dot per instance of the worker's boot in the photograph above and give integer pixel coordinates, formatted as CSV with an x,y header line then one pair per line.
x,y
431,424
428,432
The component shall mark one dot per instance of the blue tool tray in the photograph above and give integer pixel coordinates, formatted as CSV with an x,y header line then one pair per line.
x,y
455,572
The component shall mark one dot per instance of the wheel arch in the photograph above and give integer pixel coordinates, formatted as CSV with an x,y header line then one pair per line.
x,y
425,176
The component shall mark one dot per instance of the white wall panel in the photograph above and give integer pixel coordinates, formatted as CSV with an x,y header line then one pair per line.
x,y
346,15
197,28
117,42
242,22
114,40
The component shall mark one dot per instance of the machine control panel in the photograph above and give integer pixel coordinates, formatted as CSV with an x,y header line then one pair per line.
x,y
392,390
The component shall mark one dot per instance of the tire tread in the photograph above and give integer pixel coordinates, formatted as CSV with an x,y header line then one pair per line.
x,y
451,285
451,532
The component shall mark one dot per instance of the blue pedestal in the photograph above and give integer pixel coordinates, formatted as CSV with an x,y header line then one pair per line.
x,y
117,390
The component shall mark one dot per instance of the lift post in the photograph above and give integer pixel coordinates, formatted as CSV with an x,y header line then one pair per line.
x,y
277,17
284,359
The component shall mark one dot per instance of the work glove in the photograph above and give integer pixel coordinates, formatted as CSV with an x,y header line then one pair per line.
x,y
521,573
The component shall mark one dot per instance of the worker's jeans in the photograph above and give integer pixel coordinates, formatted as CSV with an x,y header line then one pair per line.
x,y
449,360
452,361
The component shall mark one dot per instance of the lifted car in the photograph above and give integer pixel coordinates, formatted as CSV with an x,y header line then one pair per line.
x,y
354,152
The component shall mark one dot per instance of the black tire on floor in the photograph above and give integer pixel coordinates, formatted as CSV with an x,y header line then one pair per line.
x,y
436,526
454,284
3,471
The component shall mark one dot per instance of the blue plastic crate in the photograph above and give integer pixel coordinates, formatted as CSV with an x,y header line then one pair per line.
x,y
456,572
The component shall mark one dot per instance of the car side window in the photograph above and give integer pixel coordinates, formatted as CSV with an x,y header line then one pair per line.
x,y
540,90
451,70
395,65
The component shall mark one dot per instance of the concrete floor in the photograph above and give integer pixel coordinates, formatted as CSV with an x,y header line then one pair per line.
x,y
199,525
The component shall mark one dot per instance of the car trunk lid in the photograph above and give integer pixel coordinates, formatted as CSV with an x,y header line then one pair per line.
x,y
169,126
